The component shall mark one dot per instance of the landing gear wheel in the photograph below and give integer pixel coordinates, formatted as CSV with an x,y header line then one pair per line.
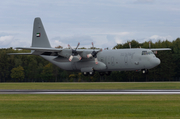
x,y
145,71
92,73
108,73
85,73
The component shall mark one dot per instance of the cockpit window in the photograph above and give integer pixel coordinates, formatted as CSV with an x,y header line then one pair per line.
x,y
147,53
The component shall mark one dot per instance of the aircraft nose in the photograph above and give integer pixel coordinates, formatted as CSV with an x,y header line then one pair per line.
x,y
155,61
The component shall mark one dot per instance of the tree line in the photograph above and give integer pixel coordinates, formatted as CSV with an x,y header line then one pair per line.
x,y
30,68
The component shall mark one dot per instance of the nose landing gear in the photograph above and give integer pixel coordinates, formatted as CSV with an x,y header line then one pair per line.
x,y
145,71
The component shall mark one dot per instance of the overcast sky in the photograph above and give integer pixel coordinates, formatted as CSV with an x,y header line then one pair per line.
x,y
104,22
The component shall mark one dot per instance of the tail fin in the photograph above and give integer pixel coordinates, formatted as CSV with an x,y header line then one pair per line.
x,y
39,38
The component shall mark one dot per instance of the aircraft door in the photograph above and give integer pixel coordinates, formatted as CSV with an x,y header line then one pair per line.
x,y
112,61
126,58
109,61
105,60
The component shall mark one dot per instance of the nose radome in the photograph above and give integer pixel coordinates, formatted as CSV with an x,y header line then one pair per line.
x,y
156,61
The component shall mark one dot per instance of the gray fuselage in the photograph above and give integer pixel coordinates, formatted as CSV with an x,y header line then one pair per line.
x,y
110,60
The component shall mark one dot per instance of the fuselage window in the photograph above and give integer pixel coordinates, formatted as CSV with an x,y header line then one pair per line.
x,y
144,52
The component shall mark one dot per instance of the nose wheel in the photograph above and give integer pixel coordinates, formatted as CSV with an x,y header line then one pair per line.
x,y
145,71
91,73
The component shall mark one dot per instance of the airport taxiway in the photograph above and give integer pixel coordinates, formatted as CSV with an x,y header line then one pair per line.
x,y
90,92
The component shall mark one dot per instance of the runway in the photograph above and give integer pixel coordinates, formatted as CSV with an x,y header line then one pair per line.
x,y
92,92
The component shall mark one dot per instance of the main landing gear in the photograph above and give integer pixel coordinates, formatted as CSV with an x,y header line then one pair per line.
x,y
100,73
107,73
89,73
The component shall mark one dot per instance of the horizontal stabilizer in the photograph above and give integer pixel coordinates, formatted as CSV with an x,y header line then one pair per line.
x,y
19,53
39,49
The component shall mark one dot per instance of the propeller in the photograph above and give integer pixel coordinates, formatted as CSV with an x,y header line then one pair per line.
x,y
94,54
74,53
129,45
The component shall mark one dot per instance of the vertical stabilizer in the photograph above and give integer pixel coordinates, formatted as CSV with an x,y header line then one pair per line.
x,y
39,38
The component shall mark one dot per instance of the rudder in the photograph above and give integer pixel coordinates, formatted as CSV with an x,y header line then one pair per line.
x,y
39,38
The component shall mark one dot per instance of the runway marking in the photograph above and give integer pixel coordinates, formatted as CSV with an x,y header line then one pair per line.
x,y
92,92
108,93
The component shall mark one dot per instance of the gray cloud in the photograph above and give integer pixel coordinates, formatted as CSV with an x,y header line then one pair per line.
x,y
155,38
11,41
73,41
102,22
144,1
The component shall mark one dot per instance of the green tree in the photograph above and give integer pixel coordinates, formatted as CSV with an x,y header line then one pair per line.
x,y
47,73
18,73
176,56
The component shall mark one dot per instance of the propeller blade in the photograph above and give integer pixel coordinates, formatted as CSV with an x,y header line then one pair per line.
x,y
93,45
70,58
129,45
100,50
74,54
94,54
77,46
79,57
89,55
69,47
96,60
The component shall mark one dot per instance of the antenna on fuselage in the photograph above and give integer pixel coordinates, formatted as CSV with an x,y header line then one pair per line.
x,y
149,44
129,45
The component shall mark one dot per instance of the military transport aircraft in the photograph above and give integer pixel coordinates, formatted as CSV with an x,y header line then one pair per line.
x,y
88,61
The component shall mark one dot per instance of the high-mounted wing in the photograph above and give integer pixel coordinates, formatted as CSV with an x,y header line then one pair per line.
x,y
160,49
45,51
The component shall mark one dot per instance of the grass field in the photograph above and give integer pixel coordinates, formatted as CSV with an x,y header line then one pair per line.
x,y
89,106
26,106
108,85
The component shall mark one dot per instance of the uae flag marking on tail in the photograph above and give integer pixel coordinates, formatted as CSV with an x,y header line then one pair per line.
x,y
38,34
